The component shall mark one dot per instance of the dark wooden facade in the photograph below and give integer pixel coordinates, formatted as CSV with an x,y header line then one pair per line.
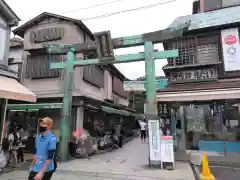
x,y
199,58
118,87
38,65
94,75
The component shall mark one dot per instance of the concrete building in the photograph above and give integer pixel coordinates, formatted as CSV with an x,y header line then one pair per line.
x,y
98,94
202,97
10,88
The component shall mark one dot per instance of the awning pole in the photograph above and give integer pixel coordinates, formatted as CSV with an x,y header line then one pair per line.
x,y
4,120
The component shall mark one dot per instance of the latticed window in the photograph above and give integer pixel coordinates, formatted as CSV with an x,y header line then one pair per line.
x,y
195,50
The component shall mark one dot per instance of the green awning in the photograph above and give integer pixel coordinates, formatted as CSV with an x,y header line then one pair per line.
x,y
29,107
115,111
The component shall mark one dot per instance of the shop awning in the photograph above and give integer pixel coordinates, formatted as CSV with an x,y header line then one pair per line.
x,y
199,95
115,111
11,89
26,107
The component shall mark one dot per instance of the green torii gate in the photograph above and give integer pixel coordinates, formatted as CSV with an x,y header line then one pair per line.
x,y
104,46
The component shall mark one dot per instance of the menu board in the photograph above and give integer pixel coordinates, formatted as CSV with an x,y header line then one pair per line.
x,y
166,146
154,140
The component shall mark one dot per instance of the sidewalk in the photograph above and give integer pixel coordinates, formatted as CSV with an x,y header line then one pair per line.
x,y
129,163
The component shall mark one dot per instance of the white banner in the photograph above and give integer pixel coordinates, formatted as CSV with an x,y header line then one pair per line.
x,y
154,140
231,49
167,153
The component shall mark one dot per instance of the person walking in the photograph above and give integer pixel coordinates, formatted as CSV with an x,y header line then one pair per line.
x,y
13,140
143,129
20,155
44,163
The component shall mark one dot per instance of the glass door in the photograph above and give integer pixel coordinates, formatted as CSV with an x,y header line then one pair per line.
x,y
195,124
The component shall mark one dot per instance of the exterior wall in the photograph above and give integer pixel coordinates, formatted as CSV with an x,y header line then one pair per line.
x,y
84,88
109,90
16,54
51,87
5,32
71,35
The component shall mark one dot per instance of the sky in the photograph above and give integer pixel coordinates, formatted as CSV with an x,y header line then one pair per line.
x,y
122,24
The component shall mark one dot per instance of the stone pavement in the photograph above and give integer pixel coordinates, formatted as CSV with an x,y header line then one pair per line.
x,y
129,163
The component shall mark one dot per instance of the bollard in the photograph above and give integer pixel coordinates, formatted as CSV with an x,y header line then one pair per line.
x,y
206,173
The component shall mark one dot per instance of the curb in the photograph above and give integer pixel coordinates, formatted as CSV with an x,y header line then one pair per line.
x,y
196,171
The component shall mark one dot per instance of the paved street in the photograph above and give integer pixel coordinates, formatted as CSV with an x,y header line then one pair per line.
x,y
130,162
223,172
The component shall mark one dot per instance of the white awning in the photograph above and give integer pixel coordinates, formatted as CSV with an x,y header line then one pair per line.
x,y
199,95
11,89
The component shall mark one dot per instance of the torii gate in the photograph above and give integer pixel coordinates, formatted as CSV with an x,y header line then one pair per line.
x,y
104,46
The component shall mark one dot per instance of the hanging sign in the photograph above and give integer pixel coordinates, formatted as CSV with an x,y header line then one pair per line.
x,y
231,49
154,140
167,153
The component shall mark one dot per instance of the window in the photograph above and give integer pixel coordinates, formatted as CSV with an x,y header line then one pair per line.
x,y
2,43
94,74
207,53
210,5
38,66
210,127
227,3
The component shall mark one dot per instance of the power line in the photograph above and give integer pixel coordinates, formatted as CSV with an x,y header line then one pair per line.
x,y
129,10
93,6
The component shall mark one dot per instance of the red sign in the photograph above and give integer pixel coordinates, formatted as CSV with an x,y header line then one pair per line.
x,y
230,40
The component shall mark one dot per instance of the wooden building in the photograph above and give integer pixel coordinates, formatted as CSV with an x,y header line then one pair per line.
x,y
202,97
97,90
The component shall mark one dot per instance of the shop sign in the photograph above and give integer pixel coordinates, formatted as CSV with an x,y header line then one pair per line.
x,y
154,140
231,49
47,34
25,107
200,74
167,153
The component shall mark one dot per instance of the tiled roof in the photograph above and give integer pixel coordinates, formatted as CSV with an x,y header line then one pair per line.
x,y
209,19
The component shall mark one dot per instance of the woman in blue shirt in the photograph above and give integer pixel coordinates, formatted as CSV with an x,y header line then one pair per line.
x,y
45,149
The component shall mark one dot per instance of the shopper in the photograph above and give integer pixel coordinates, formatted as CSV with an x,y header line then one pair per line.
x,y
20,155
44,163
13,140
143,129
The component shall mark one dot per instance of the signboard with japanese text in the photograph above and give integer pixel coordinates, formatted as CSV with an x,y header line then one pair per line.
x,y
154,140
231,49
166,146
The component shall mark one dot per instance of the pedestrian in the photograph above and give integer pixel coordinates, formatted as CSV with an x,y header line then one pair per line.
x,y
13,140
143,129
119,133
44,161
20,155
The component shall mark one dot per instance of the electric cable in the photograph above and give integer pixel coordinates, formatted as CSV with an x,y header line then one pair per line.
x,y
90,7
129,10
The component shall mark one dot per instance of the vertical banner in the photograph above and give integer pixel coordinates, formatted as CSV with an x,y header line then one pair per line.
x,y
231,49
154,140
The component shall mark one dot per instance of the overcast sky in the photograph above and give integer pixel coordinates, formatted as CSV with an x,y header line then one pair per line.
x,y
122,24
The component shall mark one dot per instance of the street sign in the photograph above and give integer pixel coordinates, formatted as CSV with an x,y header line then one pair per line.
x,y
104,46
167,153
154,140
141,85
134,86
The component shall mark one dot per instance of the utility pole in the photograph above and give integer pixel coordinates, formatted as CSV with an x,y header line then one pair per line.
x,y
103,46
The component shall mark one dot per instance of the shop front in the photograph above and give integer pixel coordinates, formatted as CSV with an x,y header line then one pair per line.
x,y
205,120
11,89
26,116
